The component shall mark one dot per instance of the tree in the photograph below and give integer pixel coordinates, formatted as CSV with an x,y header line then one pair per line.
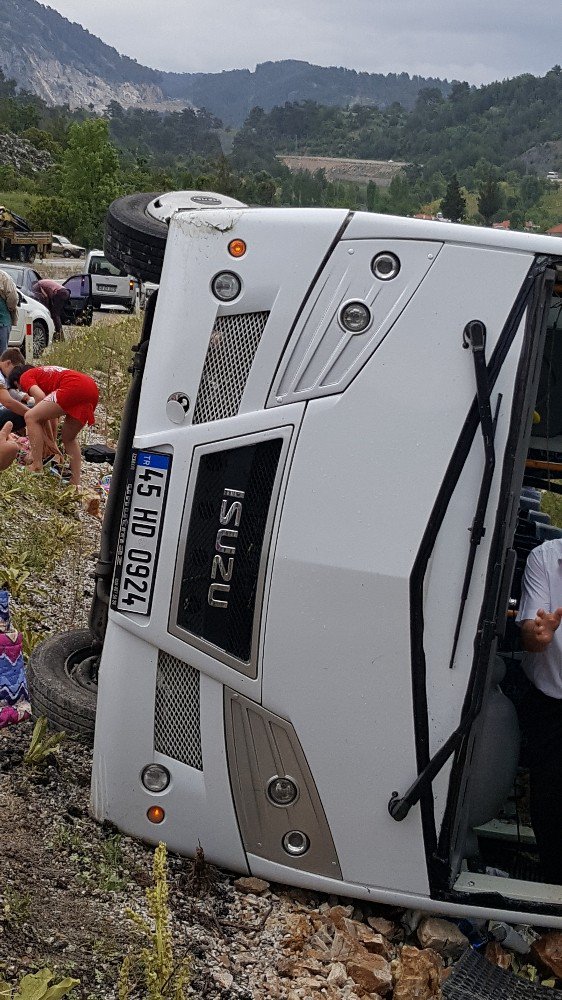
x,y
453,205
90,177
489,199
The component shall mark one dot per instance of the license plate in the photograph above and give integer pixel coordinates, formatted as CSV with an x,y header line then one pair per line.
x,y
107,288
141,529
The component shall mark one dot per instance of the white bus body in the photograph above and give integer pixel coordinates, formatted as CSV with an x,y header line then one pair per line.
x,y
294,539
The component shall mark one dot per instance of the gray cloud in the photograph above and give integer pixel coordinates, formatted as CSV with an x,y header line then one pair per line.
x,y
478,40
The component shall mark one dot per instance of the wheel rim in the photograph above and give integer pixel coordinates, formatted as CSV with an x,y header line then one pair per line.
x,y
39,339
163,207
81,667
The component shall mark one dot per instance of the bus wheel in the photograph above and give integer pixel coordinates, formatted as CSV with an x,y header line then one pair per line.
x,y
133,239
62,676
136,227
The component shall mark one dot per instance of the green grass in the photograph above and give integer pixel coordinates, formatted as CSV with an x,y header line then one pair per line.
x,y
20,202
40,513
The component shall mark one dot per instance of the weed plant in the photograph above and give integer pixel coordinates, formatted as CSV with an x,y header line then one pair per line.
x,y
152,972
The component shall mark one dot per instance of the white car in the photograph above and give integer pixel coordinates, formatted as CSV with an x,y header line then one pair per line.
x,y
60,245
34,321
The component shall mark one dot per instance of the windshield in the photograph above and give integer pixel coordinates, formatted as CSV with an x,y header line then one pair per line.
x,y
99,265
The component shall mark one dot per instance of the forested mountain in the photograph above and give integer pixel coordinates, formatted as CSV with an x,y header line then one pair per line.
x,y
500,123
64,64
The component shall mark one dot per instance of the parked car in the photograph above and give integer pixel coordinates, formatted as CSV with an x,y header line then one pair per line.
x,y
24,277
60,245
78,310
42,327
112,286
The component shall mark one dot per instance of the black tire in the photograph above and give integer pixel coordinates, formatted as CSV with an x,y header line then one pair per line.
x,y
31,254
22,254
133,239
66,253
40,338
57,685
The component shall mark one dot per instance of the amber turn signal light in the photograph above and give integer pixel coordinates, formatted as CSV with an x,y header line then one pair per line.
x,y
156,814
237,248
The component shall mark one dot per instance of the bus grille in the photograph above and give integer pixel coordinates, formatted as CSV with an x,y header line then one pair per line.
x,y
177,731
232,348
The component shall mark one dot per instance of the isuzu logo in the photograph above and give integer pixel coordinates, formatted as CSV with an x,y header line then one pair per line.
x,y
223,564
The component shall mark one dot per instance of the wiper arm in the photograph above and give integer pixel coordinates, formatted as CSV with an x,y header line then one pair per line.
x,y
474,337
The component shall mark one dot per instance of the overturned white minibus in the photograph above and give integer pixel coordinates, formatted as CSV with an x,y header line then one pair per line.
x,y
313,545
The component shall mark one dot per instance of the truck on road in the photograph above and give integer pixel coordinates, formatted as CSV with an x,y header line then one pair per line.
x,y
17,241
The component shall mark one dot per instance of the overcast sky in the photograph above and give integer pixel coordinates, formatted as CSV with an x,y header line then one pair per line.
x,y
475,40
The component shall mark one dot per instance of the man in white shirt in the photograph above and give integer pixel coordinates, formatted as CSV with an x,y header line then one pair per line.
x,y
540,614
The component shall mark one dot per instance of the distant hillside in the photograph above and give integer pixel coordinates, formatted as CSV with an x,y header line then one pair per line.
x,y
232,94
65,64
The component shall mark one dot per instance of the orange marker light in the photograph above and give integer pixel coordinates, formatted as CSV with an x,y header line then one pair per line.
x,y
156,814
237,248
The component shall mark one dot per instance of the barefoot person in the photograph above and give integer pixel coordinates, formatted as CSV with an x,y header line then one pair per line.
x,y
58,392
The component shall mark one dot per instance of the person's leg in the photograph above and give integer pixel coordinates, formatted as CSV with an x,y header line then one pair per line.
x,y
70,430
58,303
34,420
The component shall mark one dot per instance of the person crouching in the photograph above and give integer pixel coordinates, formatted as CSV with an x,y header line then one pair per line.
x,y
58,392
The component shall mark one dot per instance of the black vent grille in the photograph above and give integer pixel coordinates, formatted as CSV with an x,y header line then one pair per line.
x,y
177,730
230,355
235,484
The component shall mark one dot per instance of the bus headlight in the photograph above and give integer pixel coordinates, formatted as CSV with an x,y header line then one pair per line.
x,y
355,317
155,777
282,791
226,286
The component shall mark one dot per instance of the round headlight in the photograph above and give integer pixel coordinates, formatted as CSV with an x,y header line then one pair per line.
x,y
385,266
226,286
296,843
155,778
282,791
355,317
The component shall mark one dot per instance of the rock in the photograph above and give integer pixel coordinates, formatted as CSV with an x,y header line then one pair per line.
x,y
444,937
223,978
417,974
257,886
371,972
498,955
343,947
548,952
371,940
337,975
385,927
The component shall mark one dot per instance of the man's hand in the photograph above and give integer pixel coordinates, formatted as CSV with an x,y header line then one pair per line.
x,y
537,633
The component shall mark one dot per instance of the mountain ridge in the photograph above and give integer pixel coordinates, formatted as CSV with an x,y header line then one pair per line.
x,y
64,63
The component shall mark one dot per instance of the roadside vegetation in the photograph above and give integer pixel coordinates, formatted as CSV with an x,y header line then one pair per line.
x,y
43,513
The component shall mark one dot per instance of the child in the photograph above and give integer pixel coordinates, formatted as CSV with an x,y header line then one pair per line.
x,y
58,392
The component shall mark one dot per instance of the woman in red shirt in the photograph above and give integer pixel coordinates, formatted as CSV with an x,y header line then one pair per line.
x,y
58,392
